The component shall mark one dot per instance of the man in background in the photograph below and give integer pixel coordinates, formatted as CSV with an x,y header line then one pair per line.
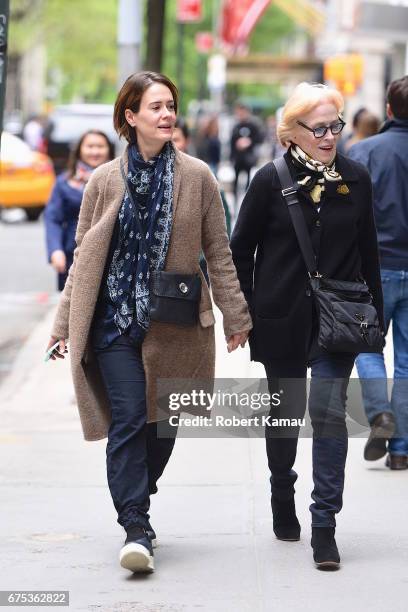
x,y
245,138
386,158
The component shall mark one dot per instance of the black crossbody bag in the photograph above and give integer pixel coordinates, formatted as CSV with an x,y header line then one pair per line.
x,y
348,320
174,297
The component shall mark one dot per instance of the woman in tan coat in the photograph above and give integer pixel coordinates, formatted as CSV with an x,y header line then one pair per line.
x,y
117,351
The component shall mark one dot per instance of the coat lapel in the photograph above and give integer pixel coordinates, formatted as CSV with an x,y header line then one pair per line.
x,y
178,163
96,251
346,169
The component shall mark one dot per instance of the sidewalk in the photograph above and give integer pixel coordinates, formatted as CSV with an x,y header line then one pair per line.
x,y
217,551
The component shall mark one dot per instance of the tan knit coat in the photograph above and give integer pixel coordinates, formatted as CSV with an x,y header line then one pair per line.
x,y
169,351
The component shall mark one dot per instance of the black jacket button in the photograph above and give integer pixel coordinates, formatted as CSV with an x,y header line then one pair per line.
x,y
318,223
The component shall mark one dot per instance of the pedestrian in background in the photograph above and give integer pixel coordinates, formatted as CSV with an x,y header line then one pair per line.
x,y
34,133
367,125
272,121
364,124
335,199
181,139
208,144
245,138
181,135
386,158
62,211
151,210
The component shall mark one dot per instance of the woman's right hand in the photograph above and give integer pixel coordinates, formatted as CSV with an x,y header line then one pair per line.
x,y
236,340
59,261
62,348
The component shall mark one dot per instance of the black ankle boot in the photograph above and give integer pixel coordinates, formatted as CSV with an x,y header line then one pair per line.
x,y
325,552
285,523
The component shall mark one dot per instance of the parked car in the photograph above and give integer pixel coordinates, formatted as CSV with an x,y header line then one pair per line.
x,y
26,177
68,122
13,122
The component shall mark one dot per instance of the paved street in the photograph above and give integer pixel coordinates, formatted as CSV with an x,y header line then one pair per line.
x,y
217,550
27,283
252,79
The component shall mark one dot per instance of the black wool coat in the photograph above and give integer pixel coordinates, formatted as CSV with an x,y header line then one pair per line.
x,y
271,269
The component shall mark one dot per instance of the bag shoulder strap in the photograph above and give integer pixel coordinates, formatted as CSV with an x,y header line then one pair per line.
x,y
289,192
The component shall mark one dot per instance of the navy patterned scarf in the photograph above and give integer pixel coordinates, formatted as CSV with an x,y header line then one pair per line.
x,y
151,185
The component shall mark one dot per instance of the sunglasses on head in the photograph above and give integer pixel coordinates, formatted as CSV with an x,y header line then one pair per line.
x,y
319,132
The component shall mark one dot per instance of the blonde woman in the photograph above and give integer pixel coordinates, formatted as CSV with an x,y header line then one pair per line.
x,y
335,198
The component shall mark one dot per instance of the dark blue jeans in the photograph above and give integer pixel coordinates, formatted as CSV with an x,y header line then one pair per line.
x,y
135,455
371,366
327,402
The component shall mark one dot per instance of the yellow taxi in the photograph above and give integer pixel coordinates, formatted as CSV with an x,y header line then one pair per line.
x,y
26,177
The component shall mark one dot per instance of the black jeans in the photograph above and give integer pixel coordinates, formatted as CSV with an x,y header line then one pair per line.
x,y
135,456
327,401
238,168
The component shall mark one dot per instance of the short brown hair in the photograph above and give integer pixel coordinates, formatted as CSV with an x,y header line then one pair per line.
x,y
397,97
130,95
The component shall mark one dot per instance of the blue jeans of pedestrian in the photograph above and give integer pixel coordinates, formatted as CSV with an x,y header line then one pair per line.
x,y
327,403
135,455
371,367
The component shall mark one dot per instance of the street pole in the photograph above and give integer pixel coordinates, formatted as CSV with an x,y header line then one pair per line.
x,y
155,14
216,9
216,90
180,58
129,38
4,20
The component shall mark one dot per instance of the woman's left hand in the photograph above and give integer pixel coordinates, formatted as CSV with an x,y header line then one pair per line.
x,y
234,341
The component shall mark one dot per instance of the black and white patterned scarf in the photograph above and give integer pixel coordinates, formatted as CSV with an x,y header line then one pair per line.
x,y
314,174
151,184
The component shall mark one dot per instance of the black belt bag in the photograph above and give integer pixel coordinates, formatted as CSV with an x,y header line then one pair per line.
x,y
348,319
174,297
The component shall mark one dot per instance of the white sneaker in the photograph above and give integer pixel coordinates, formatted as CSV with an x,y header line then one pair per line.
x,y
137,553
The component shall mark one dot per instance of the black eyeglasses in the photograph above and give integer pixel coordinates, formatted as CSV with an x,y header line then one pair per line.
x,y
319,132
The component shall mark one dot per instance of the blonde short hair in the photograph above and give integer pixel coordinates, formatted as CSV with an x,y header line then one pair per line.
x,y
305,98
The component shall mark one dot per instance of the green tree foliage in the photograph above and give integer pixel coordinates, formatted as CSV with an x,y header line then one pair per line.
x,y
273,27
192,82
269,36
80,39
266,37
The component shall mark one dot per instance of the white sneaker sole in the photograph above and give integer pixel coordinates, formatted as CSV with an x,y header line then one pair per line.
x,y
135,558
